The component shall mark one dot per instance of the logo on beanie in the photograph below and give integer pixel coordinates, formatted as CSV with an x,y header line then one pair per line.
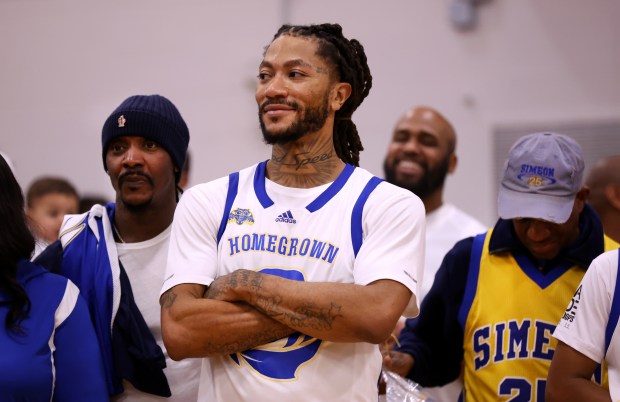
x,y
537,175
121,121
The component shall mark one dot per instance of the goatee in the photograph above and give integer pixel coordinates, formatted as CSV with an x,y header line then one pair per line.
x,y
310,120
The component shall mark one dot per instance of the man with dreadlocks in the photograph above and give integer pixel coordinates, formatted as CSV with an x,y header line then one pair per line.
x,y
285,276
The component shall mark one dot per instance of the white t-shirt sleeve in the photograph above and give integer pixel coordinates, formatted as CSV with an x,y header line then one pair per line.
x,y
585,320
192,256
393,247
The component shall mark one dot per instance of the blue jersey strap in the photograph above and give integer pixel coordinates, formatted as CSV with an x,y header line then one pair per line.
x,y
233,186
356,214
614,314
332,190
472,278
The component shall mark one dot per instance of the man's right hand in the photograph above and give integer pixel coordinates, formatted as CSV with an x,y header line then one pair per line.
x,y
398,362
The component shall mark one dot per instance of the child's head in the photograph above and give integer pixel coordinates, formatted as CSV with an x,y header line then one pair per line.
x,y
48,200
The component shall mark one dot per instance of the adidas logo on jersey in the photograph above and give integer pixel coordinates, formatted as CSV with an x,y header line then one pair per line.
x,y
286,217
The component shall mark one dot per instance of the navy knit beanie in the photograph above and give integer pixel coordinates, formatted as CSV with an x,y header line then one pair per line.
x,y
153,117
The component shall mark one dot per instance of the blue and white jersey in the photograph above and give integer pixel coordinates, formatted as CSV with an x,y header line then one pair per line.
x,y
357,229
56,357
590,322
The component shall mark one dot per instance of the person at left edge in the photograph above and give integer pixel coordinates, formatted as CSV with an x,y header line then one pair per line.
x,y
116,253
48,347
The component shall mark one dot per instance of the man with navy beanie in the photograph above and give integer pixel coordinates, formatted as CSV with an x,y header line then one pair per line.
x,y
116,253
153,117
498,296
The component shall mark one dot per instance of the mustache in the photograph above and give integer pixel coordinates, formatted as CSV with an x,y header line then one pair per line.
x,y
278,101
125,175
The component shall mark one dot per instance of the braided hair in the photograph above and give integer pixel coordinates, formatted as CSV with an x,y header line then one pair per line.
x,y
349,58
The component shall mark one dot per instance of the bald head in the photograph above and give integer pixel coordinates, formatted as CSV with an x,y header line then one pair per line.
x,y
426,116
421,154
604,183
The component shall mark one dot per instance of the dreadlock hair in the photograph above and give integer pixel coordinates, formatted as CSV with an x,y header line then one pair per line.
x,y
16,243
348,56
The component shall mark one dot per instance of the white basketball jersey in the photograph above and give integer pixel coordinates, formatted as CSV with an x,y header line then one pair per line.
x,y
318,235
590,322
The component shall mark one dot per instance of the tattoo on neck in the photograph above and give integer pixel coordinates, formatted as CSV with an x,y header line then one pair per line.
x,y
302,159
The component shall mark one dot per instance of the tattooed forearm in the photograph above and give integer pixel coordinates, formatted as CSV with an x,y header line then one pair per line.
x,y
215,291
248,342
231,287
315,316
246,279
247,286
269,305
306,316
167,299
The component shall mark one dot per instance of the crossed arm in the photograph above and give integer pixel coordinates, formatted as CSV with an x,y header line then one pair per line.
x,y
246,309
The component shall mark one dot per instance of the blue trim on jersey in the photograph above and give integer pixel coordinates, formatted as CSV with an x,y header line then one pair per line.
x,y
233,185
328,194
356,215
614,314
472,278
332,190
259,185
541,279
291,274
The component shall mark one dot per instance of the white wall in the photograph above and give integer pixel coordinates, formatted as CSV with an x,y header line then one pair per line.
x,y
66,64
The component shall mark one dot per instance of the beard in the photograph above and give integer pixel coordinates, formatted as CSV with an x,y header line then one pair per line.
x,y
431,180
134,201
311,120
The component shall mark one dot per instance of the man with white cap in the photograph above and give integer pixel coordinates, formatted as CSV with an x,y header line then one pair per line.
x,y
497,296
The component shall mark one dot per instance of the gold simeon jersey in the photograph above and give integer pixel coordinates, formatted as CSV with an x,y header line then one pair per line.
x,y
509,312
